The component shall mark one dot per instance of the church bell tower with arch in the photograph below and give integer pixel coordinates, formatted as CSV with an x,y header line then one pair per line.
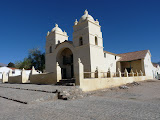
x,y
87,38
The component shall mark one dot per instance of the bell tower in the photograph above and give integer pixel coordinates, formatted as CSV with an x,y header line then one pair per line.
x,y
87,38
87,31
55,37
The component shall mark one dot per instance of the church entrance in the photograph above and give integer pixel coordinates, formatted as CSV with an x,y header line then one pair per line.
x,y
65,60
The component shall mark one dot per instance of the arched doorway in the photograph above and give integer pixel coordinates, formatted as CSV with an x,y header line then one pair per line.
x,y
65,60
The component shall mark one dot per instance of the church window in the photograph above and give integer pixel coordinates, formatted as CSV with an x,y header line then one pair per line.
x,y
105,55
115,57
80,41
96,41
50,49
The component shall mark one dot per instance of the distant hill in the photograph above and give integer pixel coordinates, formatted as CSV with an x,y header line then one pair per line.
x,y
158,63
3,65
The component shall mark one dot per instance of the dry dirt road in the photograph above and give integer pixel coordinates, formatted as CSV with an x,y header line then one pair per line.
x,y
141,102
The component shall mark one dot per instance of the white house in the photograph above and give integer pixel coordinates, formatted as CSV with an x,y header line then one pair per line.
x,y
15,72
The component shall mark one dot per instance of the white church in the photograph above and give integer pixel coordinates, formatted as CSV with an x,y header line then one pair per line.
x,y
87,45
83,61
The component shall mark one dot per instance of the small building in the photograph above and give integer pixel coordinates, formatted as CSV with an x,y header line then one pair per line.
x,y
156,71
15,72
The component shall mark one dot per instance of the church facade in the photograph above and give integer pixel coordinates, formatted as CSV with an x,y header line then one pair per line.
x,y
87,45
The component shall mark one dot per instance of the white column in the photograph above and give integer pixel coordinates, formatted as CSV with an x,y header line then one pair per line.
x,y
59,75
24,77
79,72
119,73
132,73
10,73
4,77
126,73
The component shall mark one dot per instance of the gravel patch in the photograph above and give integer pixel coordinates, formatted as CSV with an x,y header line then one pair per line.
x,y
139,102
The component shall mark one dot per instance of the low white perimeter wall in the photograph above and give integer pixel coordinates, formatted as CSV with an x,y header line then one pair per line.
x,y
18,79
102,83
44,78
15,79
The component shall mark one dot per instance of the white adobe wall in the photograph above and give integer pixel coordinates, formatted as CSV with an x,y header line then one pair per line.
x,y
28,72
16,72
110,62
148,66
50,63
4,69
156,71
96,58
83,52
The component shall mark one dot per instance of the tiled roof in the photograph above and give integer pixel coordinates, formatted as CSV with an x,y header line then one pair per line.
x,y
155,64
133,55
12,68
109,53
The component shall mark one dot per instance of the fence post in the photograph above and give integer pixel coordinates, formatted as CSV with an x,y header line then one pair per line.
x,y
10,73
119,73
136,73
33,71
59,76
97,74
79,72
126,73
132,73
24,77
109,73
141,73
4,77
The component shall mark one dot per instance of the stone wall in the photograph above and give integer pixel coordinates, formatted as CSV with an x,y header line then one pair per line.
x,y
91,84
23,78
102,83
45,78
15,79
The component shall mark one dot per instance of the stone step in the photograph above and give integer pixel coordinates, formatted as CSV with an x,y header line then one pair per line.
x,y
66,82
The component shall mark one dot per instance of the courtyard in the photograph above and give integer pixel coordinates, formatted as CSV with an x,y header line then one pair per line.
x,y
137,102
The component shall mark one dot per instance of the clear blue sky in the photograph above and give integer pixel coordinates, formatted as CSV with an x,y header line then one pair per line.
x,y
127,25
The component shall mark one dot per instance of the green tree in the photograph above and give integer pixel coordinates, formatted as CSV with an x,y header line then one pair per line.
x,y
11,64
26,64
37,59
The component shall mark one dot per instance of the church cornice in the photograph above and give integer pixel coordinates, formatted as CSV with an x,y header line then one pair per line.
x,y
88,34
86,45
57,33
86,22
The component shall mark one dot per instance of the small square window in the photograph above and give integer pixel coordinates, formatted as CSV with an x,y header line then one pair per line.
x,y
50,49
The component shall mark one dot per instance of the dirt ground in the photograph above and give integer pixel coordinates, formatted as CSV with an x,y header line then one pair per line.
x,y
133,102
146,91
